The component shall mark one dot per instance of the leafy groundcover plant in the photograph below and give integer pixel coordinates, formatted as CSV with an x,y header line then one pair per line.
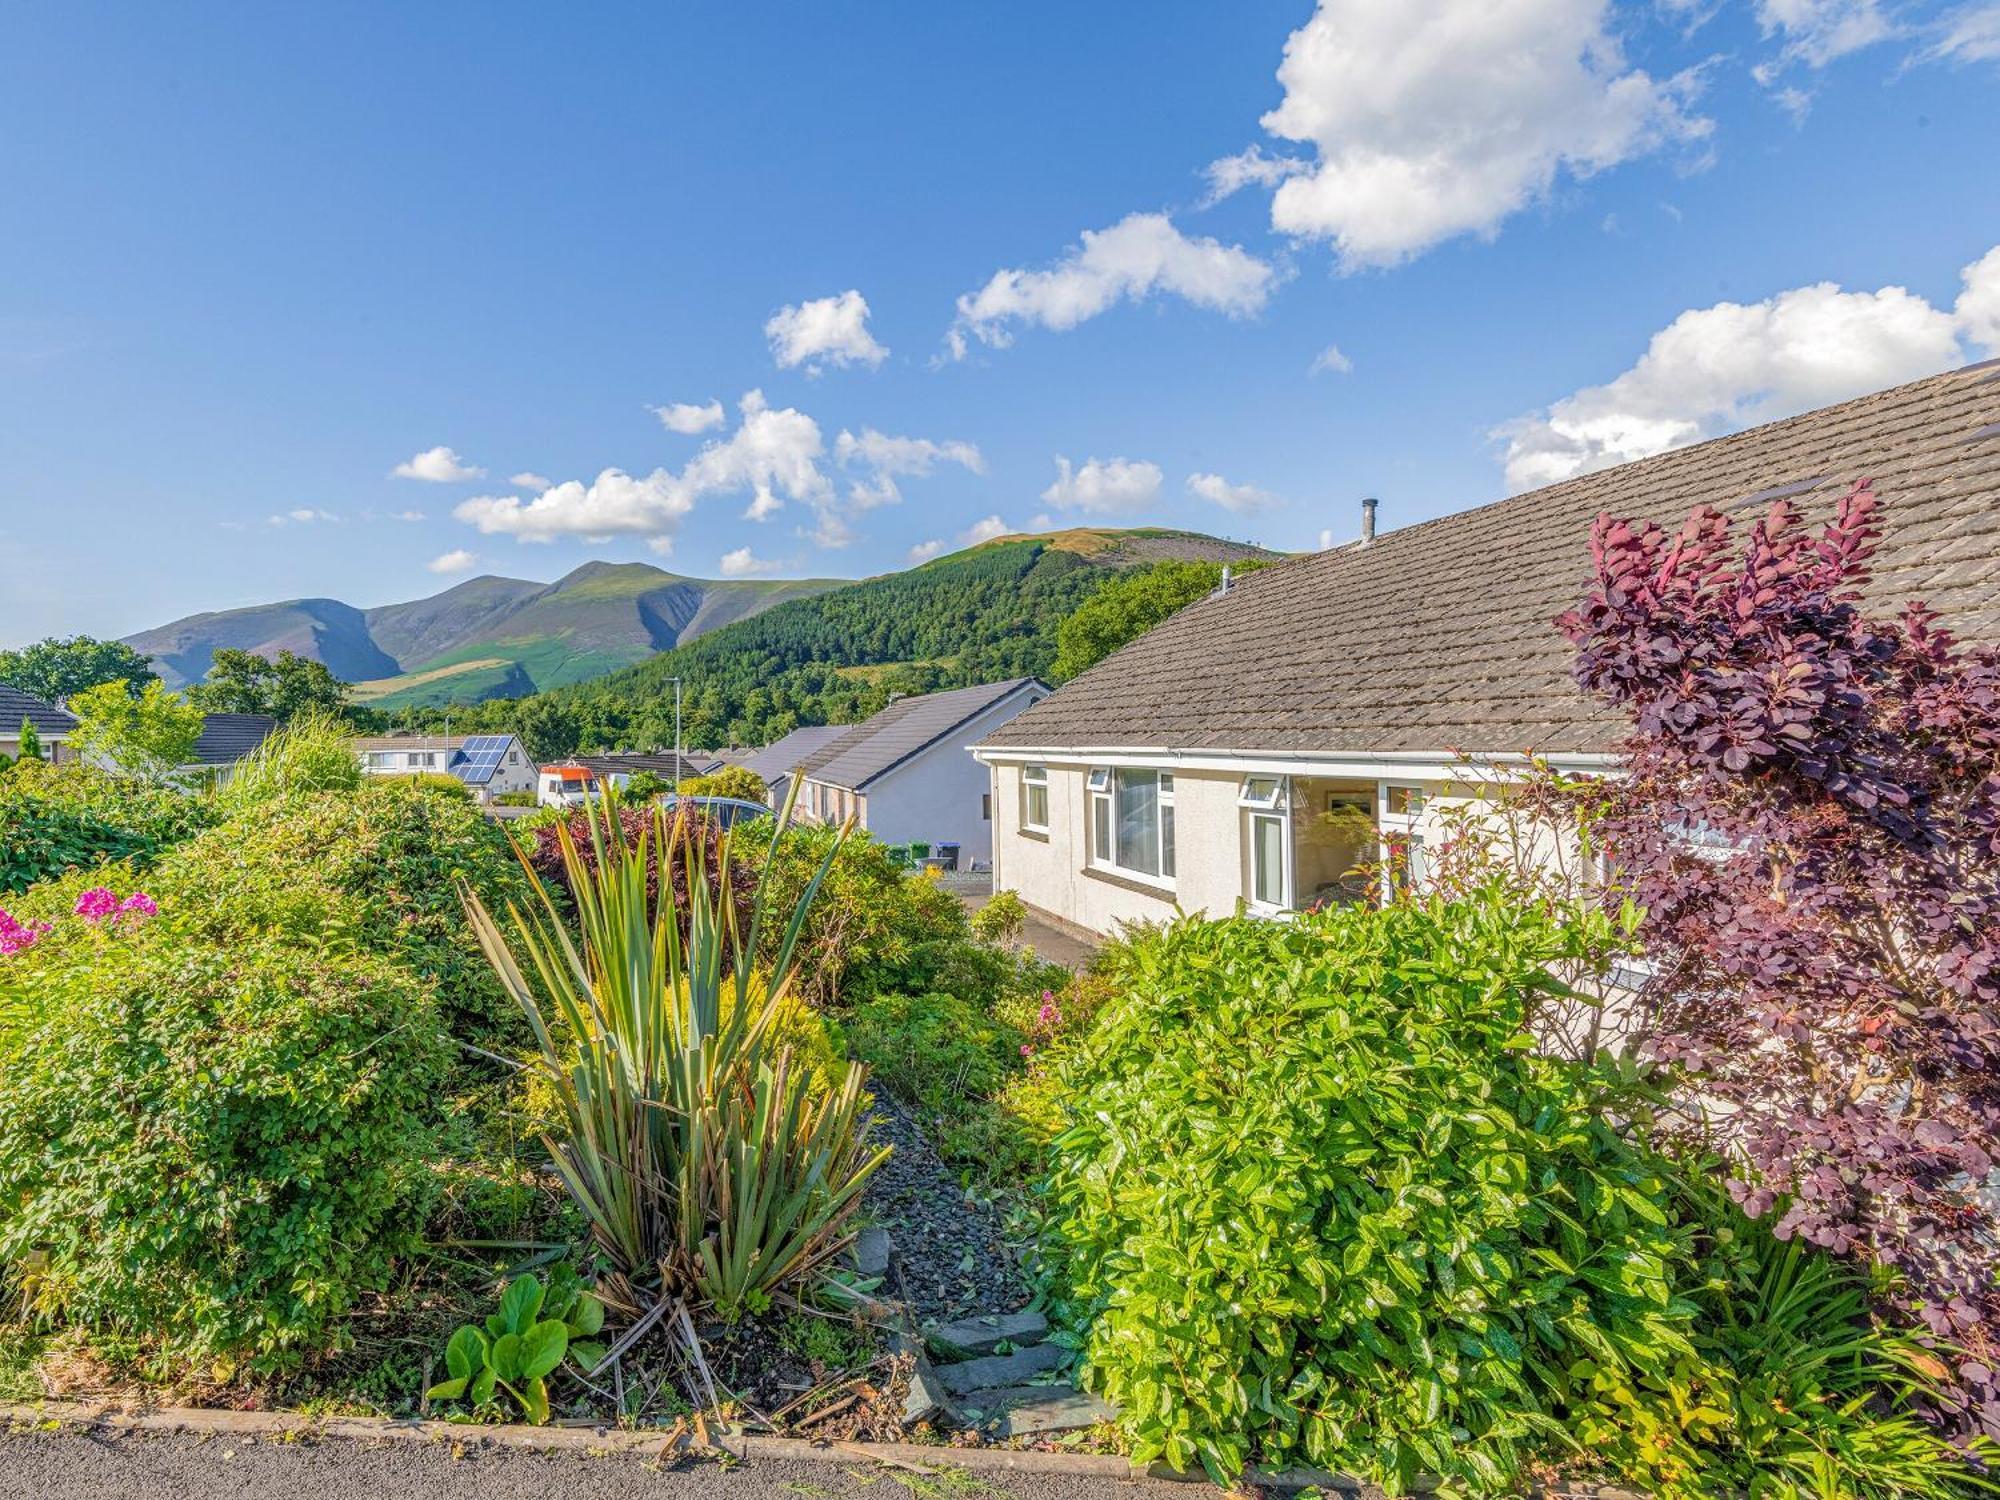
x,y
1320,1200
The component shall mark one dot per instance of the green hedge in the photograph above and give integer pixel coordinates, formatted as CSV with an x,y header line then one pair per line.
x,y
54,819
214,1151
1319,1201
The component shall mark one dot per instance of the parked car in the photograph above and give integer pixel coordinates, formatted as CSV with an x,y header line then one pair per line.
x,y
728,811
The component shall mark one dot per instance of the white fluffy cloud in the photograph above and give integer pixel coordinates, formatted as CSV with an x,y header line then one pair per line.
x,y
439,465
888,458
1111,486
984,530
822,332
304,515
1433,120
1237,497
528,479
689,416
1139,256
458,560
923,552
1330,359
743,563
1714,369
1249,168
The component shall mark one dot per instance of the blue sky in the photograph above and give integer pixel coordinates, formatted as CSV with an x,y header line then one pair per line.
x,y
256,258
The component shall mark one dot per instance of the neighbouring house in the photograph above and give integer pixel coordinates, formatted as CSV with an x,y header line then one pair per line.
x,y
1318,715
620,766
906,775
778,760
490,765
225,740
53,725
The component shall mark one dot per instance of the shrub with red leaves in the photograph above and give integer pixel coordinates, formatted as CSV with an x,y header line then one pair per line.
x,y
545,857
1812,825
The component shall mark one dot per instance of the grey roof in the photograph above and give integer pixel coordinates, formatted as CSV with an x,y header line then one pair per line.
x,y
668,766
904,729
227,738
780,758
1440,637
16,706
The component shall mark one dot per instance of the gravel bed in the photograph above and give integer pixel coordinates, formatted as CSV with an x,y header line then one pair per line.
x,y
950,1259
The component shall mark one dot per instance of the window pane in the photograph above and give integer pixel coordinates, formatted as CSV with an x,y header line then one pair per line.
x,y
1139,821
1267,861
1100,828
1166,838
1036,773
1035,806
1406,801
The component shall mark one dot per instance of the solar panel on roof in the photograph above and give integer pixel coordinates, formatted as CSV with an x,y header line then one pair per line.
x,y
480,757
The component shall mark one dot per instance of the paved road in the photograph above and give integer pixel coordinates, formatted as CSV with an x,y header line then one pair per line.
x,y
79,1465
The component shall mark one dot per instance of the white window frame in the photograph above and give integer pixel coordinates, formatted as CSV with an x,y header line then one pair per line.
x,y
1034,779
1267,799
1102,799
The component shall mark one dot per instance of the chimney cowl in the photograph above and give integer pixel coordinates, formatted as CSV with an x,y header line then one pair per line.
x,y
1368,518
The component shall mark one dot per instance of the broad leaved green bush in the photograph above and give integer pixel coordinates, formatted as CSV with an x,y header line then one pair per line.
x,y
54,819
1319,1199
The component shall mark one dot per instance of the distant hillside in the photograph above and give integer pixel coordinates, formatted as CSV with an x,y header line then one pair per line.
x,y
486,637
974,616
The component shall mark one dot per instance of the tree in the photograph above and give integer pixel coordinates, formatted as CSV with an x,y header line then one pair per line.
x,y
1125,609
29,746
56,670
1812,826
242,682
549,727
727,781
150,734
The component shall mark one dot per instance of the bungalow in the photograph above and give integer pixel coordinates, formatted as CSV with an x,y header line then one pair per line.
x,y
905,775
53,725
776,762
1251,751
489,764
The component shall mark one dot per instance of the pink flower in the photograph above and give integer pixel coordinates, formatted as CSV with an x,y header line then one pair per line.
x,y
1026,1050
14,938
1050,1015
139,904
96,904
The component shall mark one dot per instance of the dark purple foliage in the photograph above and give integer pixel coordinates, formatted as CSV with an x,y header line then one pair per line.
x,y
1813,827
685,833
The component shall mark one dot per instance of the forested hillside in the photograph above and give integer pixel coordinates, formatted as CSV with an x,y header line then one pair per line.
x,y
975,616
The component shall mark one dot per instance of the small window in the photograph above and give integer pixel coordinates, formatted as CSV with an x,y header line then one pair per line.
x,y
1405,801
1267,859
1409,870
1035,798
1267,792
986,807
1100,779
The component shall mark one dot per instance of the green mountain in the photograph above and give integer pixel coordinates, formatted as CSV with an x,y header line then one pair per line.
x,y
974,616
484,638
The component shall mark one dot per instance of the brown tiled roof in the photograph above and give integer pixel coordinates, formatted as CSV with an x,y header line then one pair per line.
x,y
1438,637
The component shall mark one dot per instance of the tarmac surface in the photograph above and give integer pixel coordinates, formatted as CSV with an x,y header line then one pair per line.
x,y
74,1464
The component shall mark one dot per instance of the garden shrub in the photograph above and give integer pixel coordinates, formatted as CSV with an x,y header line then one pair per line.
x,y
213,1150
378,870
545,855
873,929
937,1051
311,754
71,817
727,781
1320,1199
